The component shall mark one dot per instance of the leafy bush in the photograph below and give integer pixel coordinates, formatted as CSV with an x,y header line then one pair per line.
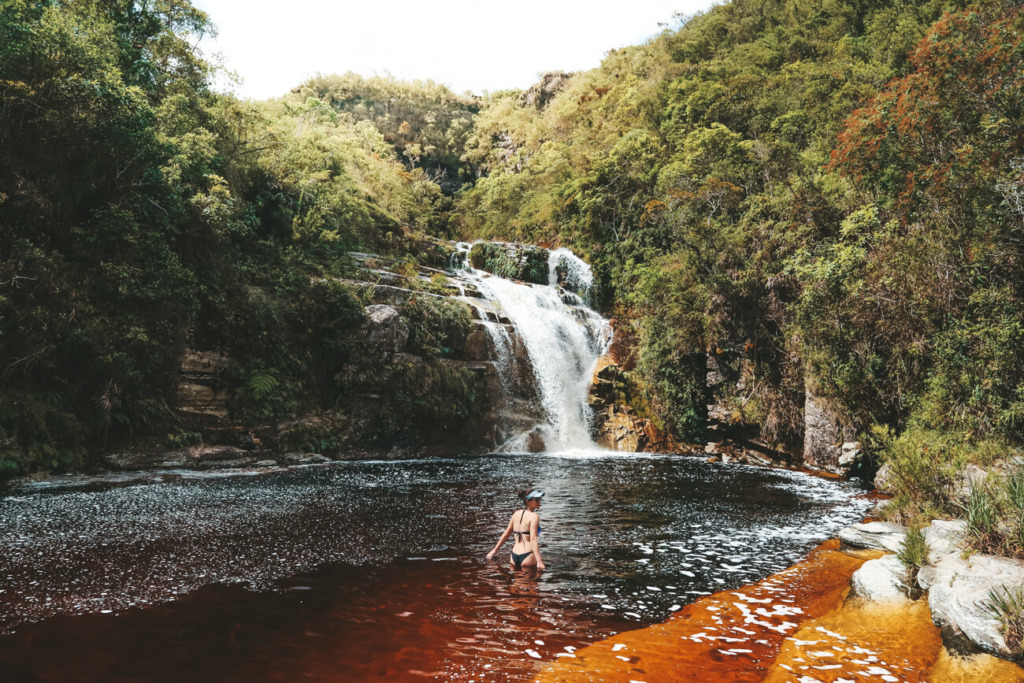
x,y
673,381
925,470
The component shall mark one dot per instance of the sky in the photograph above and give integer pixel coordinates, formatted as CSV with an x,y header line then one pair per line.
x,y
468,45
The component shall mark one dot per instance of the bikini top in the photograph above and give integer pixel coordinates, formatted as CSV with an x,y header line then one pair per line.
x,y
521,534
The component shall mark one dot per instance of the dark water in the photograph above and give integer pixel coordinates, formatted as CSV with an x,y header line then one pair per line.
x,y
375,570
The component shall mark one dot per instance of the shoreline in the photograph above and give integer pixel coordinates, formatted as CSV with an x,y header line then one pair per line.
x,y
801,622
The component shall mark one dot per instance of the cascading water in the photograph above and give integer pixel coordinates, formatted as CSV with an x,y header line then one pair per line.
x,y
562,336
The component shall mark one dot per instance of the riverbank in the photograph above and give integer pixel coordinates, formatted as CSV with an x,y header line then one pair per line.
x,y
804,623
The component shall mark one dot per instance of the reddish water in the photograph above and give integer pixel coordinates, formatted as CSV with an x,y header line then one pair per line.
x,y
366,571
406,621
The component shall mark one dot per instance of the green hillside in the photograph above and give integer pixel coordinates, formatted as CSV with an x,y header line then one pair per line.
x,y
824,196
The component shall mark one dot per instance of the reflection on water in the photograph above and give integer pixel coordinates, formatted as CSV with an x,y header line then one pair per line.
x,y
375,570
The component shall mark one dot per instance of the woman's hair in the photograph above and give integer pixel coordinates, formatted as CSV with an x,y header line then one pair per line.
x,y
525,492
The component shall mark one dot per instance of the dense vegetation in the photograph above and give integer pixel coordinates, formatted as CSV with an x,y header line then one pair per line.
x,y
141,213
825,196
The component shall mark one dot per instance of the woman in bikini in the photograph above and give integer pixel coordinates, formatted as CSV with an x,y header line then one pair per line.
x,y
525,525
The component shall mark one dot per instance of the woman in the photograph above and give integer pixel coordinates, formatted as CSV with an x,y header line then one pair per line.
x,y
525,525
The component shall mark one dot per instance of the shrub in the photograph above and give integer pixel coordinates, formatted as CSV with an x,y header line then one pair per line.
x,y
925,472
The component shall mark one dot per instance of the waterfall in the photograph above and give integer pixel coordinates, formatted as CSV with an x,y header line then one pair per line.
x,y
563,339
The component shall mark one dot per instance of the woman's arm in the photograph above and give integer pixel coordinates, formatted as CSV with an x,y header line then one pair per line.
x,y
501,541
535,539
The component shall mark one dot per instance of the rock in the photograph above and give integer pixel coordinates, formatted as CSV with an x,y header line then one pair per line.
x,y
265,463
206,453
877,535
714,378
297,458
972,476
878,508
821,435
197,391
539,94
384,331
944,537
608,372
880,580
849,454
883,479
535,442
478,344
958,594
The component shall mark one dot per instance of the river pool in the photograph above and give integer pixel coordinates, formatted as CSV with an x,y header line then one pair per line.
x,y
375,570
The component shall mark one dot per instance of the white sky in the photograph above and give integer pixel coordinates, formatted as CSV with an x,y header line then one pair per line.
x,y
479,45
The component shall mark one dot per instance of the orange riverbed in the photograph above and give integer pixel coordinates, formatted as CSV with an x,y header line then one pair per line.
x,y
793,626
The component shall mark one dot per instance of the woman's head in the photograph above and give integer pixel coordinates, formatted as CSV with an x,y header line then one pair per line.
x,y
531,497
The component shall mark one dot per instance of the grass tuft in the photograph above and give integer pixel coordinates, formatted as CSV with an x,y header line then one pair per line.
x,y
982,516
1007,607
913,553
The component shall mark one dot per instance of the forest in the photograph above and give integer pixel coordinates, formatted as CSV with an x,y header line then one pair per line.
x,y
829,195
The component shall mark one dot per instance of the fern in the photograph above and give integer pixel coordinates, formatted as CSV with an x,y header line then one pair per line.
x,y
262,383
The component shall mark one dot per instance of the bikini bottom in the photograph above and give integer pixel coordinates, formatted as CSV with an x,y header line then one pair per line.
x,y
517,558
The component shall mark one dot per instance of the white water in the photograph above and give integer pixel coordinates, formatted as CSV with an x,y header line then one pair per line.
x,y
578,276
563,338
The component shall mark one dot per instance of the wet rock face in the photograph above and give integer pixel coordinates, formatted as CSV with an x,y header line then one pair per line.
x,y
616,426
197,391
822,437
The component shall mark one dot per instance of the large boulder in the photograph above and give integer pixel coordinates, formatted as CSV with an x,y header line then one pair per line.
x,y
384,331
875,535
884,479
958,595
944,537
880,580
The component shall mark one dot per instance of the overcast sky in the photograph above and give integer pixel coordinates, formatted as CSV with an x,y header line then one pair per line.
x,y
469,45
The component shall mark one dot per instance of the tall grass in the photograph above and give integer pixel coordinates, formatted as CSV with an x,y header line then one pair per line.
x,y
913,554
982,516
1007,607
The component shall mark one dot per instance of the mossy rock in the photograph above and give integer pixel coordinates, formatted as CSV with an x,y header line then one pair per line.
x,y
512,261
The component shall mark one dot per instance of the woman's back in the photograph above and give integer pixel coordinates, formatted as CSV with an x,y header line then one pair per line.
x,y
522,522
